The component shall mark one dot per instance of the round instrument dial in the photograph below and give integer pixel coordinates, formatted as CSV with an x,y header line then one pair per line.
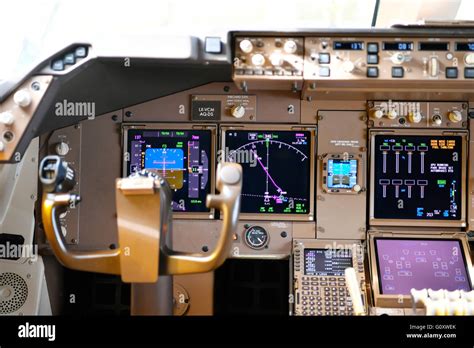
x,y
256,237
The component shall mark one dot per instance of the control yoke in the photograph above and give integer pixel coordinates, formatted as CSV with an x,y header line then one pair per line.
x,y
144,219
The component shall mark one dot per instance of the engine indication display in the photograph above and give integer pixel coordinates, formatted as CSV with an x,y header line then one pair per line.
x,y
276,169
342,173
182,157
417,177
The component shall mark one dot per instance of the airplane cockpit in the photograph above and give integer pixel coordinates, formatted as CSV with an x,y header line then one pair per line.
x,y
187,159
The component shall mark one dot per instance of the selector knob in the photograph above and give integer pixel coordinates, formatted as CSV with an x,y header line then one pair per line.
x,y
469,58
7,118
392,114
377,113
397,58
433,67
276,59
348,66
22,98
437,120
356,188
238,111
415,117
290,47
455,116
258,59
246,46
62,148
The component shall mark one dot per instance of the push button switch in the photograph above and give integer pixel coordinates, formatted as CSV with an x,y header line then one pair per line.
x,y
397,72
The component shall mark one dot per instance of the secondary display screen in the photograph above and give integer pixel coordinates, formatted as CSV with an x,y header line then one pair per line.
x,y
341,174
417,177
276,169
404,264
182,157
348,45
433,46
397,46
327,262
464,46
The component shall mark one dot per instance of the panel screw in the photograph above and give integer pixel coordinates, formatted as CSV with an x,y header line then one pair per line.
x,y
128,114
35,86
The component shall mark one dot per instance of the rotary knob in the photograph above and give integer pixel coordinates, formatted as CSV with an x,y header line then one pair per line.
x,y
356,188
62,148
7,118
415,117
392,114
22,98
437,120
348,66
376,113
290,47
276,59
258,59
469,58
455,116
246,46
397,58
238,111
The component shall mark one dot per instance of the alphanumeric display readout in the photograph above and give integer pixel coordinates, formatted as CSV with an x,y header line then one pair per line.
x,y
327,262
417,177
276,168
182,157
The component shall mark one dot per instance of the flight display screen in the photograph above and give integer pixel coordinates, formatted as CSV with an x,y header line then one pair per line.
x,y
327,262
341,173
276,169
182,157
418,177
403,264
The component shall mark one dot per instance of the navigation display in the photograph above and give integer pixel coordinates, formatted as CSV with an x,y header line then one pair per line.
x,y
341,173
417,177
404,264
182,157
276,169
327,262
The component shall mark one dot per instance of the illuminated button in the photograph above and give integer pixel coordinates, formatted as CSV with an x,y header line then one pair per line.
x,y
372,47
356,188
258,59
469,73
22,98
246,46
57,65
213,45
451,73
290,47
324,71
397,72
324,58
7,118
372,59
81,52
455,116
69,59
372,71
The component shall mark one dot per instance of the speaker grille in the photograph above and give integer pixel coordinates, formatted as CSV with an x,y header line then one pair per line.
x,y
19,292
